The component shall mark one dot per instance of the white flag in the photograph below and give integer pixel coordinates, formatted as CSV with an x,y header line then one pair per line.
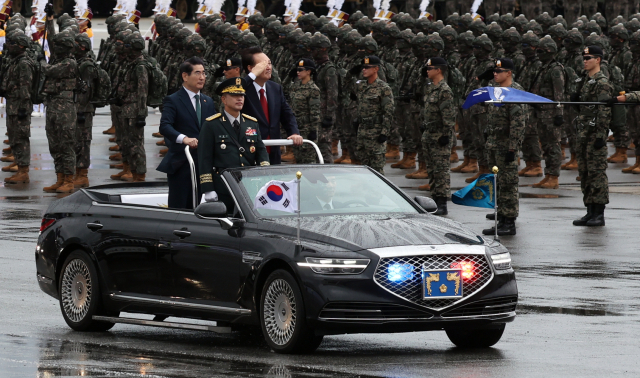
x,y
278,195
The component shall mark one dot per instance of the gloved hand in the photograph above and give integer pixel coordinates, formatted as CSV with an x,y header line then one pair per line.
x,y
443,140
141,121
211,196
486,75
558,120
356,69
353,96
312,136
509,157
355,124
80,118
599,143
382,138
611,101
327,123
22,113
575,97
115,101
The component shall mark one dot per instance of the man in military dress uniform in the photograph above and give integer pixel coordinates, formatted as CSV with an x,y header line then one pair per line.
x,y
229,139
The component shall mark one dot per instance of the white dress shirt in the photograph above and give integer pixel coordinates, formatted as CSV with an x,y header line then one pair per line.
x,y
212,195
231,118
192,97
258,87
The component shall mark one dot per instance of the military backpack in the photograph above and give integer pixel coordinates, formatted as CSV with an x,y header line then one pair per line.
x,y
158,83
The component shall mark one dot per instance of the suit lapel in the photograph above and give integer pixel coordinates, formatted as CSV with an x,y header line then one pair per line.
x,y
184,97
255,99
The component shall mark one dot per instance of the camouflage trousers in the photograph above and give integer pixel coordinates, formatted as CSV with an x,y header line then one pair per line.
x,y
633,120
615,8
531,8
437,158
508,205
83,141
306,154
337,126
116,121
324,144
412,136
531,151
19,131
133,146
61,134
401,117
620,126
464,121
592,168
478,128
574,8
368,150
550,140
349,139
570,128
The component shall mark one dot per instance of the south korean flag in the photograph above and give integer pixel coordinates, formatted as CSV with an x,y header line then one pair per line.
x,y
278,195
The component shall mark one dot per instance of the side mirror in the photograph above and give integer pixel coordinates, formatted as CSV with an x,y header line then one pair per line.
x,y
426,203
211,210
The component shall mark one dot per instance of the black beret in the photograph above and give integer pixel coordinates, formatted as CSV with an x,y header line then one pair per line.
x,y
371,60
593,50
505,63
436,61
306,63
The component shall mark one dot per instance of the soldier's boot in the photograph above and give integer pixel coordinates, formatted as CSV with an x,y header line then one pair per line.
x,y
610,138
472,167
636,170
6,151
54,187
334,147
125,171
442,206
483,169
535,170
114,148
597,219
563,147
117,156
21,177
138,177
81,180
6,141
578,178
393,152
508,227
164,151
157,135
459,168
67,185
525,169
632,146
583,221
453,158
13,168
421,173
8,167
287,156
539,184
345,156
426,187
620,156
7,159
112,140
111,130
403,160
116,166
624,170
492,230
410,163
160,143
551,183
571,165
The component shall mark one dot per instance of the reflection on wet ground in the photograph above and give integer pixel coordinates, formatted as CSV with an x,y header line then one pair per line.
x,y
528,309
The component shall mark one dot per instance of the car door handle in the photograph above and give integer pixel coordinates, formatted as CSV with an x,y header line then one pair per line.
x,y
181,233
94,226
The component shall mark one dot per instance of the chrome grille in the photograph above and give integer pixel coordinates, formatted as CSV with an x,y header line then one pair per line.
x,y
411,289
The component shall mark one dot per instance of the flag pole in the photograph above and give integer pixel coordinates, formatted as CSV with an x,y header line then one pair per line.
x,y
495,202
299,176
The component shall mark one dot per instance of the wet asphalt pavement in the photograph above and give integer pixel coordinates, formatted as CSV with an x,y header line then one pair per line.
x,y
578,313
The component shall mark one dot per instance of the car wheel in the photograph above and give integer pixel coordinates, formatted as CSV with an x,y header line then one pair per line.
x,y
80,294
476,338
283,318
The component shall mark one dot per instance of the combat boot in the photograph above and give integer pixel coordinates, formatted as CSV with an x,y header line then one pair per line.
x,y
597,219
402,161
571,165
624,170
22,177
610,139
483,169
563,147
164,151
67,185
550,183
459,168
472,167
525,169
393,152
116,166
621,157
125,171
539,184
111,130
288,155
7,159
114,148
636,170
112,140
6,141
345,156
157,135
425,187
421,173
54,187
508,227
8,167
410,163
117,156
583,221
81,180
442,206
138,177
453,158
334,147
492,230
535,170
160,143
6,151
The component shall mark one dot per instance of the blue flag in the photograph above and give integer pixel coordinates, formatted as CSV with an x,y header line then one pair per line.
x,y
506,94
480,193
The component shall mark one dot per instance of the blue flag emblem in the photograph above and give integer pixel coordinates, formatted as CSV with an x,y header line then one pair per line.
x,y
480,193
506,94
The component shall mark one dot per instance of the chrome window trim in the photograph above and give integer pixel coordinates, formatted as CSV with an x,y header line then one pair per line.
x,y
164,302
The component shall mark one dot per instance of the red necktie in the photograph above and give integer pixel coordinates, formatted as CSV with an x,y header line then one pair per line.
x,y
265,109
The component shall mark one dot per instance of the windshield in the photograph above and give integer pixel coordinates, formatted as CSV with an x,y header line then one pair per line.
x,y
323,191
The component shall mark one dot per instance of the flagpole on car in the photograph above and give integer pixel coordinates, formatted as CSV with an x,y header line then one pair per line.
x,y
495,202
299,176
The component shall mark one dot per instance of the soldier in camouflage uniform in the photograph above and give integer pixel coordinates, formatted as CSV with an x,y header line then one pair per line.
x,y
622,58
375,114
558,33
573,43
347,94
327,81
172,68
549,83
437,137
512,43
466,67
632,86
306,105
16,88
593,128
59,86
494,32
402,104
504,138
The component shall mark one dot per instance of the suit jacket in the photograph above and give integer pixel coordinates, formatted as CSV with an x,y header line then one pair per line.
x,y
179,117
279,113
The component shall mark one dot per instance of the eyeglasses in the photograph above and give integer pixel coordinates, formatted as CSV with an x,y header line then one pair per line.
x,y
500,70
367,67
199,73
587,57
429,68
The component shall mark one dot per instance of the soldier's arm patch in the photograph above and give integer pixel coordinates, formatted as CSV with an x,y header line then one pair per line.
x,y
216,116
264,163
249,117
206,178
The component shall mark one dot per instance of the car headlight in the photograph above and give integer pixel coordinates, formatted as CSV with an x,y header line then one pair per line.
x,y
335,266
501,261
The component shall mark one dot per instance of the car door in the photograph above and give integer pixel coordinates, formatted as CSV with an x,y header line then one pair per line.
x,y
126,245
204,261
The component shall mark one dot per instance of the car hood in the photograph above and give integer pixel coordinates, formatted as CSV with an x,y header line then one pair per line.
x,y
366,231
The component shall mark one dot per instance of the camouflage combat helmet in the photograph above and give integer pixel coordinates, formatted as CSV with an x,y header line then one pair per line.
x,y
235,34
64,39
616,21
545,20
535,27
492,18
594,40
257,19
14,26
21,39
63,18
183,33
352,38
136,41
449,35
547,43
344,30
559,19
511,37
478,27
506,21
483,42
321,21
368,44
406,22
363,26
531,38
465,41
195,44
634,42
422,24
73,29
396,17
122,35
578,24
591,27
633,26
435,41
521,23
248,39
405,38
558,33
465,22
600,20
435,27
419,40
330,30
355,17
494,31
377,29
319,41
294,35
619,31
83,40
452,19
393,30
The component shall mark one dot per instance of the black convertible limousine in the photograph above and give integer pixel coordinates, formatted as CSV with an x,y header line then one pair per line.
x,y
367,259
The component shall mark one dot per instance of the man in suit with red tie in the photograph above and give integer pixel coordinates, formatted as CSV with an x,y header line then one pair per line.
x,y
183,114
265,101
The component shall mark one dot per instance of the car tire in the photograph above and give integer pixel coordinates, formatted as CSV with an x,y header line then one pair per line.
x,y
476,338
283,317
80,296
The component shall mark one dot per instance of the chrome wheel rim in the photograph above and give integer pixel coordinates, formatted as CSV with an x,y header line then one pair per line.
x,y
279,311
76,290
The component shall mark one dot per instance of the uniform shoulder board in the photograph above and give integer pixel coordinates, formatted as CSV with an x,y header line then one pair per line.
x,y
249,117
214,117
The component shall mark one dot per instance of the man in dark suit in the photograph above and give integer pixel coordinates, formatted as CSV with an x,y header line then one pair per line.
x,y
265,101
321,197
183,114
